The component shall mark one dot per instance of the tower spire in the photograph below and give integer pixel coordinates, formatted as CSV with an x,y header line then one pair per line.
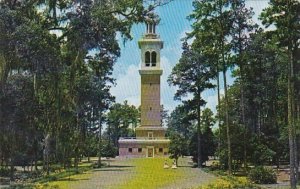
x,y
152,20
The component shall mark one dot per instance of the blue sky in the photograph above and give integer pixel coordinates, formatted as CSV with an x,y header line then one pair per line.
x,y
171,29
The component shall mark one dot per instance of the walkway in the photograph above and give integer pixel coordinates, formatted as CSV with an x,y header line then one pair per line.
x,y
122,170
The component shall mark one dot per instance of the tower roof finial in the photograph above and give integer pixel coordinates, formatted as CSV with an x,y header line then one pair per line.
x,y
152,18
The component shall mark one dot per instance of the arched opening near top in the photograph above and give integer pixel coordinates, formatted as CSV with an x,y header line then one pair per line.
x,y
147,58
153,59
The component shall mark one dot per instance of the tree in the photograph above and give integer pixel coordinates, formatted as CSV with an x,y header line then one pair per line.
x,y
16,126
192,76
241,27
180,130
209,143
122,119
68,56
265,107
285,16
177,146
211,29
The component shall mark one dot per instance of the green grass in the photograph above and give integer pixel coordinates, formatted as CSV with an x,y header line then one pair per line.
x,y
150,174
67,182
63,179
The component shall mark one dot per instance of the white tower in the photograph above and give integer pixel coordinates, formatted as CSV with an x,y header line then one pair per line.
x,y
150,138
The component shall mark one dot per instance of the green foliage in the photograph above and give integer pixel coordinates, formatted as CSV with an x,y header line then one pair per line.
x,y
262,175
230,182
180,130
260,153
264,92
56,75
208,145
183,134
4,172
192,75
109,150
285,16
178,145
122,119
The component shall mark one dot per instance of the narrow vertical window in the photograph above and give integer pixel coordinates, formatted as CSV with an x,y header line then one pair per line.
x,y
147,58
150,28
147,26
153,59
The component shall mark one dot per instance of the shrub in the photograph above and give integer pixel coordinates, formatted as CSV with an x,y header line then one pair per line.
x,y
215,166
226,182
4,172
263,175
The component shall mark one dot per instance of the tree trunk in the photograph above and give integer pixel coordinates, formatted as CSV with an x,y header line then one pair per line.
x,y
12,167
291,123
222,41
297,143
243,117
219,110
64,158
100,140
227,121
199,151
46,153
76,159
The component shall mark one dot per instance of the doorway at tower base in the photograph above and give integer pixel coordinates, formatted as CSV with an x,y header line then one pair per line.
x,y
140,147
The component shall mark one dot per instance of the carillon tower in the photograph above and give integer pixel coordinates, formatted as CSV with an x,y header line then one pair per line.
x,y
150,138
150,72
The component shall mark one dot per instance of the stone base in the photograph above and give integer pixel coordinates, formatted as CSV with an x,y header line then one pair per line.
x,y
140,147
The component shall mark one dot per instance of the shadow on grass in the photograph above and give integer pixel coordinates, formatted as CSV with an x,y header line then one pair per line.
x,y
70,179
103,170
120,166
188,166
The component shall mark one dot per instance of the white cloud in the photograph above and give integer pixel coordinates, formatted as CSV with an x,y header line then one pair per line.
x,y
128,86
258,7
167,92
211,98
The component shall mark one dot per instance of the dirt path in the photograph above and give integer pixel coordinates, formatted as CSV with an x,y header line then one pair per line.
x,y
122,170
117,172
193,177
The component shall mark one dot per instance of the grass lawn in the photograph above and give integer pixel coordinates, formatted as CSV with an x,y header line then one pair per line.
x,y
64,178
149,174
64,183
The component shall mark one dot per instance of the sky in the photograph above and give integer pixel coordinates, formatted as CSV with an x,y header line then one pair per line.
x,y
172,28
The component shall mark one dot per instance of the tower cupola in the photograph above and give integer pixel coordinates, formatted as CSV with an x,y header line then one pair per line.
x,y
150,45
152,21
